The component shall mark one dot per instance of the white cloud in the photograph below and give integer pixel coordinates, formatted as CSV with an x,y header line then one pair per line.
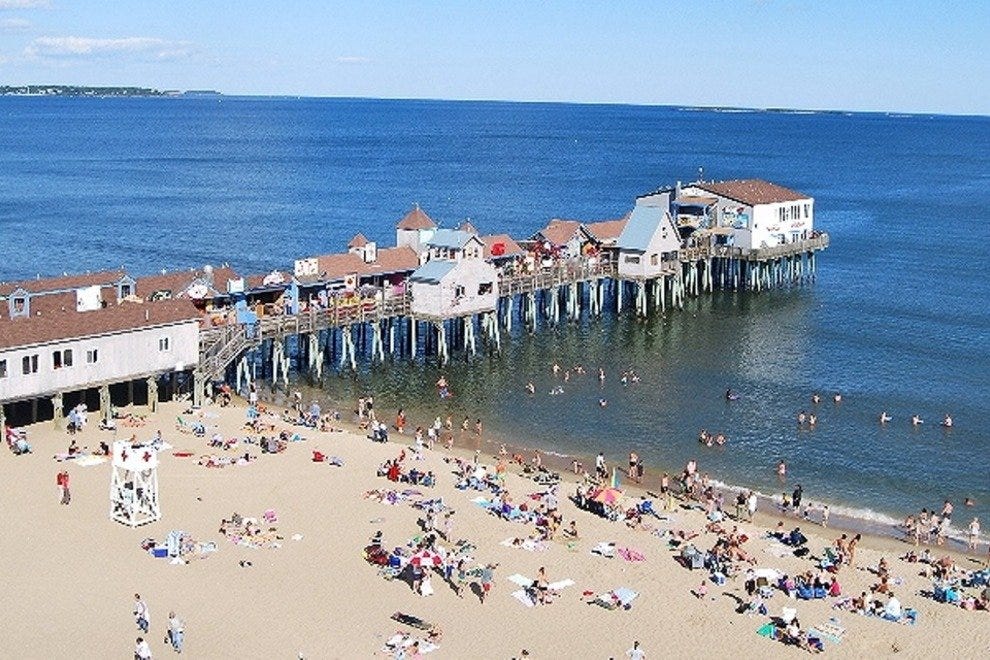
x,y
91,47
352,59
14,24
23,4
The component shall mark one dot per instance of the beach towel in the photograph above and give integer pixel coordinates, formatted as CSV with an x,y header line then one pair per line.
x,y
527,544
520,580
778,550
89,461
523,597
605,549
631,555
766,630
562,584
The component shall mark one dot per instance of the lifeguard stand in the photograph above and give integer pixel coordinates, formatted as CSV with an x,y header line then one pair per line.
x,y
134,484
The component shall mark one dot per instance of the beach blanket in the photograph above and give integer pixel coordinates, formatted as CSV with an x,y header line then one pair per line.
x,y
560,585
88,461
527,544
402,641
520,580
631,555
830,630
620,597
605,549
523,597
778,550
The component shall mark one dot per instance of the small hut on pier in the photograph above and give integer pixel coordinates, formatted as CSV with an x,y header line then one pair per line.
x,y
649,241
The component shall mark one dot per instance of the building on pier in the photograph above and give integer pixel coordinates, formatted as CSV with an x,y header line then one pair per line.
x,y
751,213
564,239
415,229
501,249
448,288
649,241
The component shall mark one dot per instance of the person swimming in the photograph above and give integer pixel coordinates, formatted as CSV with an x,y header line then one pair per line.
x,y
602,402
530,388
837,398
730,395
884,417
781,469
815,398
916,420
947,421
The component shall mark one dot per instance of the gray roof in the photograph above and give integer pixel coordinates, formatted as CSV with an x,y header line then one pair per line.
x,y
452,239
433,271
642,225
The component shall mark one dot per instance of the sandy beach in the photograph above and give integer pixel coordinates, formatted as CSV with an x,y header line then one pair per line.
x,y
68,573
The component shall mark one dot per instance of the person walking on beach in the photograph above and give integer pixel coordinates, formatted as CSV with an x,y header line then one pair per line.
x,y
974,534
62,481
796,499
636,653
487,581
176,633
825,514
141,649
141,615
851,557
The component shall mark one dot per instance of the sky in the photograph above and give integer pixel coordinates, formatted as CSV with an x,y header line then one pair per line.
x,y
883,55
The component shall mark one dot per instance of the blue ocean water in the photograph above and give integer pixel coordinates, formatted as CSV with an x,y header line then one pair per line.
x,y
897,320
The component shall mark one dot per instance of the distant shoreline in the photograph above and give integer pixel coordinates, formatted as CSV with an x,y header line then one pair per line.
x,y
98,92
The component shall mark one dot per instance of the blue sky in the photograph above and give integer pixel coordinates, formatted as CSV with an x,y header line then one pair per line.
x,y
904,55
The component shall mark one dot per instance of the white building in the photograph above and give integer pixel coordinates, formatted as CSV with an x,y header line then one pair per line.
x,y
57,352
415,230
649,240
445,288
758,213
454,244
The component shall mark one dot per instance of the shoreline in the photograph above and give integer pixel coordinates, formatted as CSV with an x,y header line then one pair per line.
x,y
876,534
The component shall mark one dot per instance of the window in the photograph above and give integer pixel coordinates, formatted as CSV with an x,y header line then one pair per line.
x,y
3,368
806,210
62,359
92,356
654,259
29,364
484,288
631,259
163,344
458,291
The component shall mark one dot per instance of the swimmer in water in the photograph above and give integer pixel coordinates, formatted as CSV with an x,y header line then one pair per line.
x,y
601,375
884,417
812,420
530,388
815,399
556,369
916,420
947,421
781,469
837,398
969,501
801,418
602,402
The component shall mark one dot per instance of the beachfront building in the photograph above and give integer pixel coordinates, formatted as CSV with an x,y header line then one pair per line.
x,y
58,357
454,245
363,264
415,229
749,213
501,249
649,241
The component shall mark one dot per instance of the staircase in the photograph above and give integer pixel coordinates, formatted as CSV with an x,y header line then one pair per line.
x,y
218,350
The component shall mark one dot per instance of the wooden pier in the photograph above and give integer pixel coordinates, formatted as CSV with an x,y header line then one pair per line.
x,y
383,323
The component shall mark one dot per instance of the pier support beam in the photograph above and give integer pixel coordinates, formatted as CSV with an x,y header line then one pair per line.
x,y
377,343
316,357
280,363
641,298
469,343
442,349
105,411
198,390
59,411
3,421
347,348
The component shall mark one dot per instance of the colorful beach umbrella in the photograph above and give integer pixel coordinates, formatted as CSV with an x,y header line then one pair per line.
x,y
426,558
607,495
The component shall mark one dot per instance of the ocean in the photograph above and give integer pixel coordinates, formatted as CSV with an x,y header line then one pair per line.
x,y
897,320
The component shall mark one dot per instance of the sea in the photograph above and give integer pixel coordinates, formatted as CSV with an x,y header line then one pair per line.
x,y
897,319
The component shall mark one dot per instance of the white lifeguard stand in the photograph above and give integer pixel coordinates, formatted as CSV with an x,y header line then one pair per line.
x,y
134,484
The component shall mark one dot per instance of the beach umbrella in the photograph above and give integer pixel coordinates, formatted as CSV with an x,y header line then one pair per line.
x,y
615,479
607,495
426,558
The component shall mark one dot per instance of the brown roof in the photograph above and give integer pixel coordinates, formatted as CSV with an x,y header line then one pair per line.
x,y
559,232
178,281
63,282
58,325
751,191
416,219
606,230
696,200
390,260
466,226
509,247
358,241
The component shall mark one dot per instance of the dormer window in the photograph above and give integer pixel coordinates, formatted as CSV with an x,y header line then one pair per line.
x,y
19,303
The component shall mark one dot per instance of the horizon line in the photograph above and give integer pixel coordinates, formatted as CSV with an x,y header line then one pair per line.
x,y
686,106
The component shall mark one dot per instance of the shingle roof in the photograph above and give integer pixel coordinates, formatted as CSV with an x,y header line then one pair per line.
x,y
433,271
358,241
509,247
416,219
607,230
63,282
559,232
177,282
642,224
751,191
390,260
58,325
452,239
468,227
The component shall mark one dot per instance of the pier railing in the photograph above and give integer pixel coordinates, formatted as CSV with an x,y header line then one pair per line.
x,y
559,274
697,253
